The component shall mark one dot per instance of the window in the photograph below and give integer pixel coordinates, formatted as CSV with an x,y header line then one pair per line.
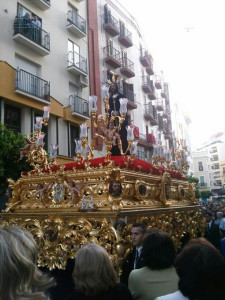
x,y
202,181
109,46
122,28
200,166
74,134
12,118
74,54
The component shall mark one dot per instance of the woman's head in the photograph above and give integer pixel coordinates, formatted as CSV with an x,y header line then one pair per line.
x,y
19,275
158,250
94,272
201,269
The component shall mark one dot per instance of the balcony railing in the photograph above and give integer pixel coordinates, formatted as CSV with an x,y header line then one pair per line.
x,y
146,84
111,25
32,32
32,85
127,67
203,184
112,57
74,19
77,61
79,105
130,95
125,37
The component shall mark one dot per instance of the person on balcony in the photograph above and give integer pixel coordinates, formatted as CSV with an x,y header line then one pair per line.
x,y
27,26
36,30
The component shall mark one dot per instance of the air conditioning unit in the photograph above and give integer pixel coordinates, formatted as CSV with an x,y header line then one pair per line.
x,y
83,81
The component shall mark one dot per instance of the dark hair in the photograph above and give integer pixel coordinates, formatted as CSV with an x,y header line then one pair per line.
x,y
111,186
141,225
201,269
158,250
121,222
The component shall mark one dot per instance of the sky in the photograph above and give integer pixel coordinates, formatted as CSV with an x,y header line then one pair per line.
x,y
187,41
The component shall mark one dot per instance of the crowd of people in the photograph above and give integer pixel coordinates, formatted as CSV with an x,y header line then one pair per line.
x,y
152,270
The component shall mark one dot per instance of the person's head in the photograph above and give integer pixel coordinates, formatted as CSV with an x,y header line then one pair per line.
x,y
93,272
115,188
219,215
158,250
27,15
120,224
19,275
201,271
138,231
35,18
113,89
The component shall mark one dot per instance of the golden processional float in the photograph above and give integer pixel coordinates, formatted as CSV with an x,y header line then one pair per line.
x,y
66,206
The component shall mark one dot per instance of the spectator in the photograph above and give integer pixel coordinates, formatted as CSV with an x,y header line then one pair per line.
x,y
36,30
221,222
159,276
27,26
19,276
212,233
134,259
201,271
95,277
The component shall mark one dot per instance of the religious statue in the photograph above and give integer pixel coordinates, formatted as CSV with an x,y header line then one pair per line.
x,y
27,148
74,189
42,190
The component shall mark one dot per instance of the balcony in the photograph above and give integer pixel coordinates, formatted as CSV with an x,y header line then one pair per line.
x,y
166,113
202,184
146,84
42,4
131,97
163,94
112,57
161,124
145,59
77,64
158,83
127,68
154,121
159,104
79,107
111,25
31,36
76,24
149,112
32,86
152,95
125,37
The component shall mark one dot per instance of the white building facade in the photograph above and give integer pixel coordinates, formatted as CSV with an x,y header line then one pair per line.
x,y
45,64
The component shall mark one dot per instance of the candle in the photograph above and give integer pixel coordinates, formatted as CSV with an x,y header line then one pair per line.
x,y
92,103
46,112
53,151
83,130
130,134
105,91
39,142
78,144
38,124
123,105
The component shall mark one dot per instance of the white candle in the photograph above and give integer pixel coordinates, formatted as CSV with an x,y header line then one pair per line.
x,y
78,144
133,149
83,130
105,91
123,105
93,103
130,134
46,112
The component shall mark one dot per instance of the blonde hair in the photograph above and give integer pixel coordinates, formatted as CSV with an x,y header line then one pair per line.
x,y
20,277
93,272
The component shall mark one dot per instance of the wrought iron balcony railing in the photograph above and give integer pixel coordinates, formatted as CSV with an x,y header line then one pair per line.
x,y
25,27
78,21
130,95
109,19
125,33
111,52
78,61
33,85
127,63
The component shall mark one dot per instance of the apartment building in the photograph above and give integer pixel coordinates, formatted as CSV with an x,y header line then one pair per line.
x,y
201,169
117,44
44,62
215,149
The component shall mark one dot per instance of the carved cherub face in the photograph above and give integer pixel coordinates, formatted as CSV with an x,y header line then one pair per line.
x,y
111,126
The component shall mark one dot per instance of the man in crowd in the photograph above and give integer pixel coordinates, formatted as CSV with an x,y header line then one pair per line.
x,y
221,222
134,259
